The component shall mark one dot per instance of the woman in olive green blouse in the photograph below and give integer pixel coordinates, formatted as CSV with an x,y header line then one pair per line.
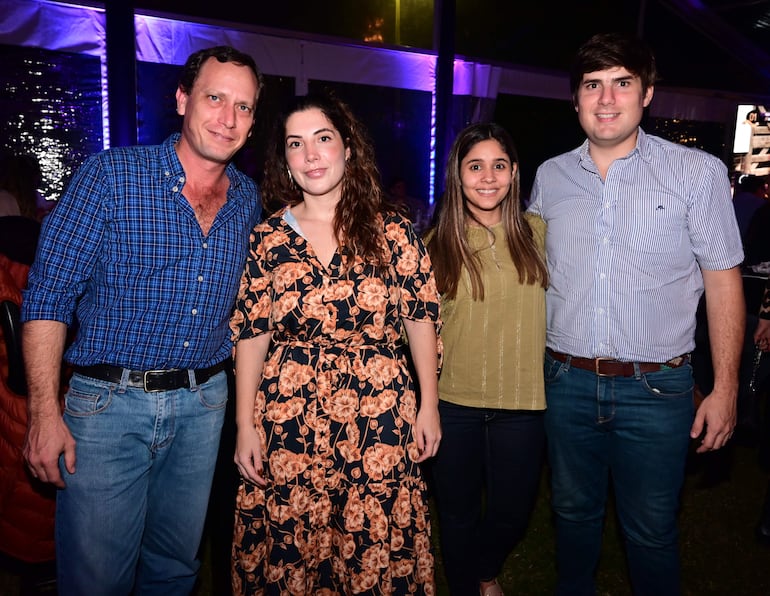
x,y
490,269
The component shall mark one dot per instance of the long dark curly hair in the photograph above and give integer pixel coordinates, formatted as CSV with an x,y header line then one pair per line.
x,y
358,216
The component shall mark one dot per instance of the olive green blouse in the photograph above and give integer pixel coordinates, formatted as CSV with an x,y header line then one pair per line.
x,y
493,348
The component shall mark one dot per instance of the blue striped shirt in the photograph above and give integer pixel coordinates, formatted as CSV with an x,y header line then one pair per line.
x,y
625,253
124,254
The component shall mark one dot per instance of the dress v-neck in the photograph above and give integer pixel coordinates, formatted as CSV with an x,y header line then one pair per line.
x,y
292,222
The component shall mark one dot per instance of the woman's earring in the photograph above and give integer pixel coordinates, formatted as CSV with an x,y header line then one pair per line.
x,y
291,180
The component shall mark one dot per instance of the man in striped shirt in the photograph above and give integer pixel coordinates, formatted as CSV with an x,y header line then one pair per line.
x,y
637,228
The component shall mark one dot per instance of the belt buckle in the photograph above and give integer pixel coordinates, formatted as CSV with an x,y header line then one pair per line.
x,y
145,378
597,362
677,361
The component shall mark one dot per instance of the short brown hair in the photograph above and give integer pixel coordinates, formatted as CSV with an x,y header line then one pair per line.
x,y
610,50
192,67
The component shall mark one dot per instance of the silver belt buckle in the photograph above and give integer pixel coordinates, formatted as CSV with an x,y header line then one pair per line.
x,y
144,380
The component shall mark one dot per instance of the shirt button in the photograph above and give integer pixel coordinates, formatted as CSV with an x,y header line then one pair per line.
x,y
205,245
605,240
175,189
167,173
186,344
181,179
602,276
194,311
601,311
200,278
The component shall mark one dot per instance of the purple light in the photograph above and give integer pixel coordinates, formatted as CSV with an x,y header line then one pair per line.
x,y
432,168
82,29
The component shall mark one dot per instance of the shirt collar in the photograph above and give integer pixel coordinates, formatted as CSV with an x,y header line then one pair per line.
x,y
169,159
173,170
643,145
643,148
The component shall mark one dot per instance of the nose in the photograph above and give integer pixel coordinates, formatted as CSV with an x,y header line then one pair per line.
x,y
311,154
607,95
488,175
227,116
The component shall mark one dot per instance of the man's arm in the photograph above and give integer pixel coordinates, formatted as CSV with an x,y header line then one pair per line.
x,y
47,435
726,312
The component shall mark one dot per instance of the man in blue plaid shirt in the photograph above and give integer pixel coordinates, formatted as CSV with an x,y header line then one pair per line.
x,y
145,251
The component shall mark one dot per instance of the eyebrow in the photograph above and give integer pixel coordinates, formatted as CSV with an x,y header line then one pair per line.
x,y
319,131
612,80
239,102
498,159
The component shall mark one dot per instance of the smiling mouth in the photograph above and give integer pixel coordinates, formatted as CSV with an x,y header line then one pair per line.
x,y
222,136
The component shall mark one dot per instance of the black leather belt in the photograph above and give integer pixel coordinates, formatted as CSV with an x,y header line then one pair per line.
x,y
609,367
152,380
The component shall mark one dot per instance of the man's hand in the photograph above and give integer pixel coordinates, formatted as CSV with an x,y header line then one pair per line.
x,y
717,415
47,435
47,439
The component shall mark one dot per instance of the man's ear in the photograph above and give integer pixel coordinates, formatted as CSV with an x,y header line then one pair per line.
x,y
181,101
648,95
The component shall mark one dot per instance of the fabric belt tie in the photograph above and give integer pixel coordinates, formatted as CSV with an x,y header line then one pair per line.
x,y
152,380
609,367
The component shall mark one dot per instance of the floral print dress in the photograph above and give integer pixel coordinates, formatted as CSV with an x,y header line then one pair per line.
x,y
344,510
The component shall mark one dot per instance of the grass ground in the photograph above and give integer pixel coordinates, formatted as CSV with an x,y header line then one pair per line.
x,y
719,554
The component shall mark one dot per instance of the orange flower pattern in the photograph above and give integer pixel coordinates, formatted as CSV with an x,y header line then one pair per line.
x,y
344,511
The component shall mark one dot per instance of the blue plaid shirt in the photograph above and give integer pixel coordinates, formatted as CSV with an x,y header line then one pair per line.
x,y
124,254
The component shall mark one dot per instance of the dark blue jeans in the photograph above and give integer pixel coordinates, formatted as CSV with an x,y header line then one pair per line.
x,y
634,430
489,453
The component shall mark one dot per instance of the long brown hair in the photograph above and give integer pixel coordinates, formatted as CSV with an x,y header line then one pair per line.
x,y
358,215
449,248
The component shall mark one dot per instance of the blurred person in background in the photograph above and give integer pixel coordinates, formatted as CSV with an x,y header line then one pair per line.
x,y
750,194
20,178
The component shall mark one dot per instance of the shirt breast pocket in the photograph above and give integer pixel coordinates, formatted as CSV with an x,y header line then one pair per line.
x,y
657,230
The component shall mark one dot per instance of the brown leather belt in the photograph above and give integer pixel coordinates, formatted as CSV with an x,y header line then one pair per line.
x,y
152,381
609,367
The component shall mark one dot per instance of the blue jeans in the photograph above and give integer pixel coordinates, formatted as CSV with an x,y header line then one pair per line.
x,y
492,453
131,516
634,430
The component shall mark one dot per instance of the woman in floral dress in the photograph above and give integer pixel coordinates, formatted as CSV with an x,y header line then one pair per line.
x,y
330,431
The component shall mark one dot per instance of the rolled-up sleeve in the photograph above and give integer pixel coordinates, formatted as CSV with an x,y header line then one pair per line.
x,y
69,247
